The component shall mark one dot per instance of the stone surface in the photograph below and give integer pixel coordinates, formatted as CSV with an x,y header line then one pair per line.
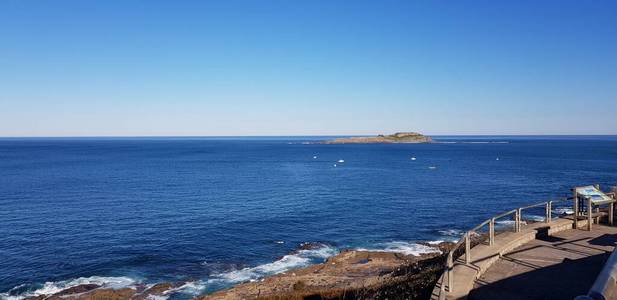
x,y
105,294
561,266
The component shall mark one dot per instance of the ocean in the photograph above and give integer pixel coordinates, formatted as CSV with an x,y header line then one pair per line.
x,y
212,212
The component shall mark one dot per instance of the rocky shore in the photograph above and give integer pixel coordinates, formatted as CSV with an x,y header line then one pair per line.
x,y
352,274
397,138
97,292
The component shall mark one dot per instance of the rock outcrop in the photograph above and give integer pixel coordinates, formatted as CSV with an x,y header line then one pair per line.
x,y
349,275
96,292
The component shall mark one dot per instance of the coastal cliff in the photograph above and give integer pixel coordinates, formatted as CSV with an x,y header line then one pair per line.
x,y
397,138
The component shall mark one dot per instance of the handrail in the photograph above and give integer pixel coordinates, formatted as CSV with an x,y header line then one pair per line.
x,y
449,265
534,205
605,286
481,225
504,214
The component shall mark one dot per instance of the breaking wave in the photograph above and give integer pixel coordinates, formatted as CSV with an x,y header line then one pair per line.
x,y
406,248
23,291
301,258
309,254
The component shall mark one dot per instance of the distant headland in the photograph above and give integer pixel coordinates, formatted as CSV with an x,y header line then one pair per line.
x,y
397,138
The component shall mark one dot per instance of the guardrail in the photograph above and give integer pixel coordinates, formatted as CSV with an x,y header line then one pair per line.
x,y
605,286
467,238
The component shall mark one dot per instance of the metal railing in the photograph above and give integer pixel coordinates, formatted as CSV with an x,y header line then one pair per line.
x,y
467,240
605,286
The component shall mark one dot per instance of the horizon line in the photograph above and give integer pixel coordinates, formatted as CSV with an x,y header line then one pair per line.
x,y
325,135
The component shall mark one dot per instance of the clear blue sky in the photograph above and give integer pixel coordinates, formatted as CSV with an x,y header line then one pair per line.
x,y
92,68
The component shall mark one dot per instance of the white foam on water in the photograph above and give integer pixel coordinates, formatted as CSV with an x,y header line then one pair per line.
x,y
436,242
157,297
451,232
508,222
407,248
193,288
52,287
298,259
534,218
563,211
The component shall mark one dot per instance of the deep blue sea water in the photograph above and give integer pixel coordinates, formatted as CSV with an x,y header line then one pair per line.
x,y
211,212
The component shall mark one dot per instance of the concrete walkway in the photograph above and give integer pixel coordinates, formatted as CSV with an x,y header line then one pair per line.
x,y
484,256
561,266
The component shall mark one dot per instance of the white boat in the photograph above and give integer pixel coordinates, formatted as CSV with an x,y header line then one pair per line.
x,y
340,161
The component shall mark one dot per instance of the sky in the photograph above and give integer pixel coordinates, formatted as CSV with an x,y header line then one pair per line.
x,y
227,68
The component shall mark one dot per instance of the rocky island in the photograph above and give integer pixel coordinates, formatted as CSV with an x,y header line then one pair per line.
x,y
397,138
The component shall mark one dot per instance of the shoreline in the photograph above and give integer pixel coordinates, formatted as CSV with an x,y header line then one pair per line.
x,y
349,275
369,266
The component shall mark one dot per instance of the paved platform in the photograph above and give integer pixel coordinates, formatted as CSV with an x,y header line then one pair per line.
x,y
561,266
483,256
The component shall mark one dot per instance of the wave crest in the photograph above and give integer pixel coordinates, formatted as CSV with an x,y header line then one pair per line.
x,y
300,258
406,248
51,287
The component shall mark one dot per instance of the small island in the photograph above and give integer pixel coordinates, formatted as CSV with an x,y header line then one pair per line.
x,y
397,138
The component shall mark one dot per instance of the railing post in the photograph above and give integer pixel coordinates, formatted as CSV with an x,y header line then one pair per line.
x,y
491,232
517,220
548,211
611,207
450,272
442,288
467,248
576,208
589,212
